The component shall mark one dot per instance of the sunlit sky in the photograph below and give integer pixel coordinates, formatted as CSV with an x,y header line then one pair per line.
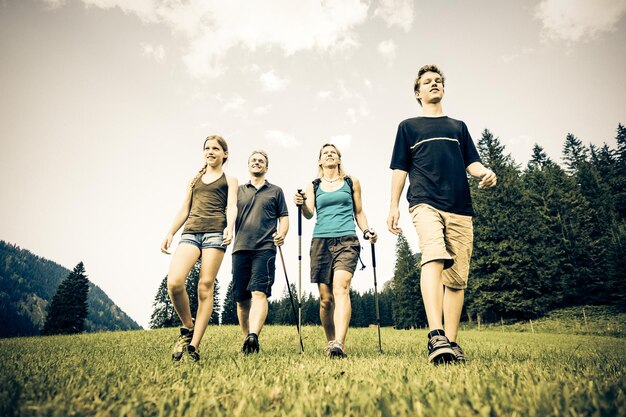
x,y
104,106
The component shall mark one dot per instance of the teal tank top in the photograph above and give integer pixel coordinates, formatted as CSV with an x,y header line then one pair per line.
x,y
335,217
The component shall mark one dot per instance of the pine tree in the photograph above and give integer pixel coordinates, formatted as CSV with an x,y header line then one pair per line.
x,y
215,314
501,260
574,153
229,311
68,309
407,305
163,313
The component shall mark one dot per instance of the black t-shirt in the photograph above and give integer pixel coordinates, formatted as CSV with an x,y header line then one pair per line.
x,y
257,215
435,152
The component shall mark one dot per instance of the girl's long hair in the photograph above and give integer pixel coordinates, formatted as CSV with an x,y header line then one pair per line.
x,y
220,141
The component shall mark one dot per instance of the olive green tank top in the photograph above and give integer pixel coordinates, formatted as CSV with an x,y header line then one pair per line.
x,y
208,207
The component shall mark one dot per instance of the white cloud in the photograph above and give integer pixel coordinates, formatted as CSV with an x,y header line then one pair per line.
x,y
508,58
262,109
388,50
234,103
212,28
579,20
396,13
343,93
157,52
146,10
323,95
342,141
55,4
282,139
271,82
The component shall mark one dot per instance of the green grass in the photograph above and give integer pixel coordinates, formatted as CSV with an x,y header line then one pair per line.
x,y
130,374
583,320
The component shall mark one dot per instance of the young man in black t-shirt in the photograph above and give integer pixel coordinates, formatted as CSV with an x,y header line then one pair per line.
x,y
436,152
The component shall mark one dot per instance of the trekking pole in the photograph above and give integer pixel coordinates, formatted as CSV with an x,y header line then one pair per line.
x,y
367,236
300,269
293,307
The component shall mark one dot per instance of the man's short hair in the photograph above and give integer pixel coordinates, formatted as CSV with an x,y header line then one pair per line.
x,y
259,151
424,70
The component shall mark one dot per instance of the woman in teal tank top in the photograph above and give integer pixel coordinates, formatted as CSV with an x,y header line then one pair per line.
x,y
335,247
209,214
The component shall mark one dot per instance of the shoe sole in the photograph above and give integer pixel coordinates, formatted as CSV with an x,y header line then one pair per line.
x,y
337,354
442,356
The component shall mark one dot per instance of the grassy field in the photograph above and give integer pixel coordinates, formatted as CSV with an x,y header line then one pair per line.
x,y
130,374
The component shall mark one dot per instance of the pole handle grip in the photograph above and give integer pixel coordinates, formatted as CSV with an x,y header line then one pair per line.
x,y
299,215
373,257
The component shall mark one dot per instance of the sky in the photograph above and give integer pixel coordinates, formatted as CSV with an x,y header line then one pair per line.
x,y
105,104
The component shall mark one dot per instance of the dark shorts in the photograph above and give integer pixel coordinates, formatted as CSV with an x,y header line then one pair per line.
x,y
253,270
329,254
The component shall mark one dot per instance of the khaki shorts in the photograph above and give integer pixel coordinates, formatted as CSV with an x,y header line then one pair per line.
x,y
446,237
329,254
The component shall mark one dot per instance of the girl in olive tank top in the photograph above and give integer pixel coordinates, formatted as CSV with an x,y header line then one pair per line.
x,y
208,213
336,200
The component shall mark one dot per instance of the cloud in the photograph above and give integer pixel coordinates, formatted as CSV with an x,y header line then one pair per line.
x,y
212,28
157,52
282,139
234,103
579,20
388,50
323,95
262,109
508,58
54,4
342,141
271,82
343,93
396,13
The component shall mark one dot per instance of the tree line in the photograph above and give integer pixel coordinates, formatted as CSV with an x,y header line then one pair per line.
x,y
546,237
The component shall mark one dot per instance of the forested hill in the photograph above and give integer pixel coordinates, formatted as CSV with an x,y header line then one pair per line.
x,y
28,282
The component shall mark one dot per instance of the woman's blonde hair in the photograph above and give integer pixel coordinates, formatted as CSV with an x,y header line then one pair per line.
x,y
320,171
220,141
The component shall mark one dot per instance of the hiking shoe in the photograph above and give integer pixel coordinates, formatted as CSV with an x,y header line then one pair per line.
x,y
458,352
181,344
439,348
193,353
336,351
251,344
328,347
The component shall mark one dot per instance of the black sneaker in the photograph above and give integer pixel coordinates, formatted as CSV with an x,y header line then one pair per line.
x,y
336,351
181,344
251,344
458,352
193,353
439,348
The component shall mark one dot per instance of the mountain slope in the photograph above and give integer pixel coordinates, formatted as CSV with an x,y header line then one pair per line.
x,y
28,282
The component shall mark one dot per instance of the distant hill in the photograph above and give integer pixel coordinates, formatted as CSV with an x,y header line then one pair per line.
x,y
28,282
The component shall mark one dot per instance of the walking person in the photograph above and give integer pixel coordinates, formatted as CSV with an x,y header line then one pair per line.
x,y
335,247
437,152
260,205
208,213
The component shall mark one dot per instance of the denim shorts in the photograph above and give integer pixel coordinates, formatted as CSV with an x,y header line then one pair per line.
x,y
204,240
